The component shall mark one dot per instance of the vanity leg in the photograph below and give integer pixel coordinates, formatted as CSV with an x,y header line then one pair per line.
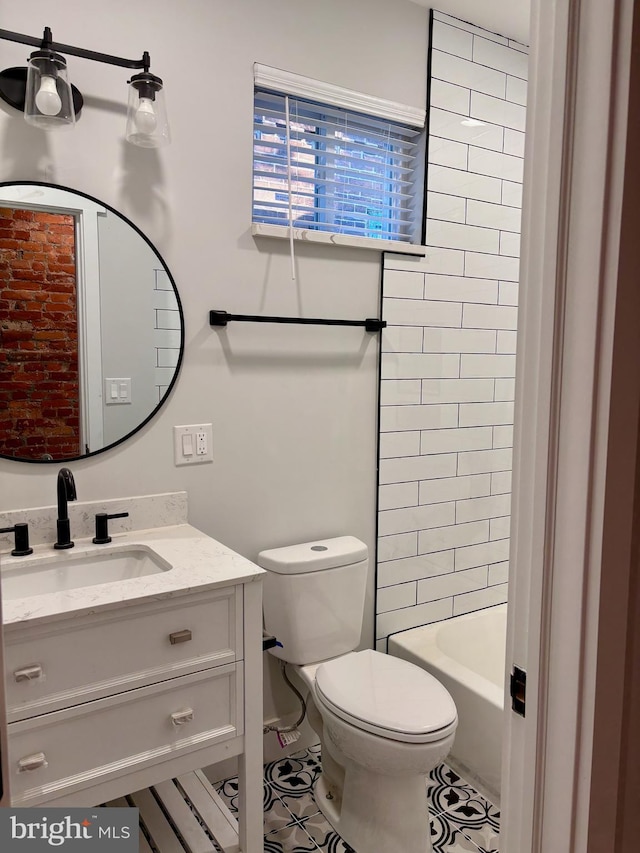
x,y
250,768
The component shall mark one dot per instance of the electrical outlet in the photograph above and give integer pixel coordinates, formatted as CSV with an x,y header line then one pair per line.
x,y
193,444
202,446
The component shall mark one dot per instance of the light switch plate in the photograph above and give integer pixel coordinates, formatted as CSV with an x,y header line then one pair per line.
x,y
192,444
117,391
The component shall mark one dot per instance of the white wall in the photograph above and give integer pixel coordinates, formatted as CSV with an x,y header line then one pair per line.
x,y
510,19
127,278
448,362
293,409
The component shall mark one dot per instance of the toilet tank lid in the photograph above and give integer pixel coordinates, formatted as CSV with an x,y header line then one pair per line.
x,y
314,556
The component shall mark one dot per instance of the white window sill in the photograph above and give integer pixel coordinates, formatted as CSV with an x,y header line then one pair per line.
x,y
259,229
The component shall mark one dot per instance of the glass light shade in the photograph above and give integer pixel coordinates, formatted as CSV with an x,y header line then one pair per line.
x,y
48,98
147,124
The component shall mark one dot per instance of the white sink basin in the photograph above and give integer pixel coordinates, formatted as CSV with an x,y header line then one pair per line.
x,y
59,572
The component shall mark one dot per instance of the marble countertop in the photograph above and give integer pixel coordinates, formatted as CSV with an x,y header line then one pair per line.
x,y
197,561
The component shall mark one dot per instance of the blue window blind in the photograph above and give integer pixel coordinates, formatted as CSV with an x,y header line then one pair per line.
x,y
349,173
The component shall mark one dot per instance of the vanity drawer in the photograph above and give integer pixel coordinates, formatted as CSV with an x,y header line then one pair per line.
x,y
105,739
74,661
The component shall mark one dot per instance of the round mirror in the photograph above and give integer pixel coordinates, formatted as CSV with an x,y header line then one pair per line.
x,y
91,325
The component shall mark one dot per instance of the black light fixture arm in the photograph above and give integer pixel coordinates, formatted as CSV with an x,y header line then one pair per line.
x,y
70,50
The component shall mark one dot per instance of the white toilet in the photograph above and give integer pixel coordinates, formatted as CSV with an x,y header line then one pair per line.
x,y
383,723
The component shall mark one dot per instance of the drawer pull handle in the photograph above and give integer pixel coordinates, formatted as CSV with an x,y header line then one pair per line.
x,y
28,673
180,718
179,637
32,762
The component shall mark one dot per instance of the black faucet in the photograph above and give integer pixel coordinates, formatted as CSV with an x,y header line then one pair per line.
x,y
66,492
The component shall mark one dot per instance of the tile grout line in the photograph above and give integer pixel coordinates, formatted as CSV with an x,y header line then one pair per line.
x,y
299,820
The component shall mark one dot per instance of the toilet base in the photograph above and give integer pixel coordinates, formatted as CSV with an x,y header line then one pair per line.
x,y
377,814
373,790
328,800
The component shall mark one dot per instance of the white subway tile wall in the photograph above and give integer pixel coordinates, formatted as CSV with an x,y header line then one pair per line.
x,y
448,352
166,327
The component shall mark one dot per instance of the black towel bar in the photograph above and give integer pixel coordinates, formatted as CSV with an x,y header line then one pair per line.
x,y
221,318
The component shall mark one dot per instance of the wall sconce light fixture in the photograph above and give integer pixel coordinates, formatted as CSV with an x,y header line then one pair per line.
x,y
49,101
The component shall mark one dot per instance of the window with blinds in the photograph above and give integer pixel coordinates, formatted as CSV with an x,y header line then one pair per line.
x,y
326,168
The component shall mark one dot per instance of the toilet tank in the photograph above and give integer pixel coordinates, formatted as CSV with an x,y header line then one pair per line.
x,y
314,597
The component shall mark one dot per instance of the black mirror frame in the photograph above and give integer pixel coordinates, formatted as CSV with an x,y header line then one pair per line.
x,y
167,393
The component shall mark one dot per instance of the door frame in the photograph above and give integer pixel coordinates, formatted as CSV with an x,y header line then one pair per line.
x,y
87,260
5,794
567,772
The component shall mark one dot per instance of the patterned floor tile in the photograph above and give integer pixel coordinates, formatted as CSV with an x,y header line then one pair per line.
x,y
457,843
301,807
228,791
289,839
486,839
277,817
314,752
291,780
292,776
446,837
442,834
461,820
446,790
474,813
326,838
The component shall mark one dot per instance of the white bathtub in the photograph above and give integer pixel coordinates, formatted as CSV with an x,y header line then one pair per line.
x,y
467,655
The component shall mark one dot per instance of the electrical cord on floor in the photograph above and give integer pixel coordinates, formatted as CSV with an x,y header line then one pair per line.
x,y
294,726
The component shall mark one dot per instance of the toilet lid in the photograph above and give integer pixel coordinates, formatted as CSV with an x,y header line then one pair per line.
x,y
387,696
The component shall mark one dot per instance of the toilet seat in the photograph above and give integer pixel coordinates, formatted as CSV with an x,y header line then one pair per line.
x,y
386,696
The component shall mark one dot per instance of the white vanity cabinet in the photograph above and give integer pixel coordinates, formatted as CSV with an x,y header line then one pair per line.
x,y
108,702
67,662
